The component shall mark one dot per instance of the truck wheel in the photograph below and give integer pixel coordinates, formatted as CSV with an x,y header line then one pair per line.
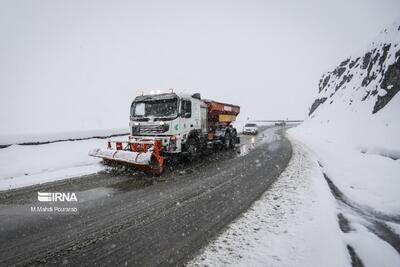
x,y
227,141
192,148
233,140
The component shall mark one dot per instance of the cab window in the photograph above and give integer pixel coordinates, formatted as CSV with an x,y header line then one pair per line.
x,y
186,109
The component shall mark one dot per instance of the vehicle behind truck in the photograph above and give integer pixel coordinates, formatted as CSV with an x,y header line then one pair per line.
x,y
170,124
250,128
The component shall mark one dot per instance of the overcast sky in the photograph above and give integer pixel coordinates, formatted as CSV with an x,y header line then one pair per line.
x,y
77,65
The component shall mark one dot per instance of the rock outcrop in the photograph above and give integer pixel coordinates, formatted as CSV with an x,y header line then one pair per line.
x,y
372,77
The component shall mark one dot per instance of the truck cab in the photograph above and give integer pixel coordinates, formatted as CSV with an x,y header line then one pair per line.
x,y
169,117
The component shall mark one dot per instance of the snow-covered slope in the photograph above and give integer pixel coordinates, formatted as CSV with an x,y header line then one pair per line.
x,y
354,123
354,130
358,101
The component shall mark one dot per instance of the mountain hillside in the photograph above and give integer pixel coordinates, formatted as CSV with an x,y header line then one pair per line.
x,y
359,101
353,129
372,77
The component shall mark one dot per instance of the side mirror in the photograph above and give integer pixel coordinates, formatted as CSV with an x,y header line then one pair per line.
x,y
187,115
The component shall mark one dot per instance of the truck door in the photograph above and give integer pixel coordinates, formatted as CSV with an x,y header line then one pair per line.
x,y
186,111
204,118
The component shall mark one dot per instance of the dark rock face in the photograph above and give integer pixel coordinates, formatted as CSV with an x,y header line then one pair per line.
x,y
391,78
344,62
323,82
316,104
339,71
346,79
369,76
385,50
371,63
351,65
366,59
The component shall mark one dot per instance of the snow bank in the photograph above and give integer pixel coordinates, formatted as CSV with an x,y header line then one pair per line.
x,y
27,165
293,224
353,128
368,180
371,249
51,137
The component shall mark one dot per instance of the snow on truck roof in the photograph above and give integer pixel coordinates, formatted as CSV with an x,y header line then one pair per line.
x,y
156,97
213,105
162,96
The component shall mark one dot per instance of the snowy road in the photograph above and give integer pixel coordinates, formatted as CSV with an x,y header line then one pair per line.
x,y
133,220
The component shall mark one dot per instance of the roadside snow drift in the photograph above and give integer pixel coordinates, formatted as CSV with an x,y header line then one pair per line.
x,y
13,139
22,165
292,224
354,129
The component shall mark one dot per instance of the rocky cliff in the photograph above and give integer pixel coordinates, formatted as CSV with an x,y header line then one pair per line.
x,y
370,78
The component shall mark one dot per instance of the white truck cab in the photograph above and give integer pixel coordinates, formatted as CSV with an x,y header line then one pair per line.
x,y
170,117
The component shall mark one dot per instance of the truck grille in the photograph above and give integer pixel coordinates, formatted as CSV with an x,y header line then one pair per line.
x,y
149,129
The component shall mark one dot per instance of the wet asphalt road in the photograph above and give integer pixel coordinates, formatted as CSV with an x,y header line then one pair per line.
x,y
129,218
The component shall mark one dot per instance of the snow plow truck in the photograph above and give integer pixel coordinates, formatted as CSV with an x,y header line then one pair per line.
x,y
169,124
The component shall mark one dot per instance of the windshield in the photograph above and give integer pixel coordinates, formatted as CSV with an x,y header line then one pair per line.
x,y
156,108
250,125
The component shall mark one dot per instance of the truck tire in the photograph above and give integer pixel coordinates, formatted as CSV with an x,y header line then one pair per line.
x,y
234,139
227,144
192,148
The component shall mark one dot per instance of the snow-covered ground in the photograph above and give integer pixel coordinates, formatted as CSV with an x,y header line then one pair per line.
x,y
22,165
366,187
7,139
354,134
298,222
364,174
293,224
370,180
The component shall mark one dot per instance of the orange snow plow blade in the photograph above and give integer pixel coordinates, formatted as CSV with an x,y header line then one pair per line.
x,y
143,155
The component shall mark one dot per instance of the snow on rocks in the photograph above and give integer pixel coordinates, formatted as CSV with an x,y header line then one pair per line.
x,y
370,78
358,102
